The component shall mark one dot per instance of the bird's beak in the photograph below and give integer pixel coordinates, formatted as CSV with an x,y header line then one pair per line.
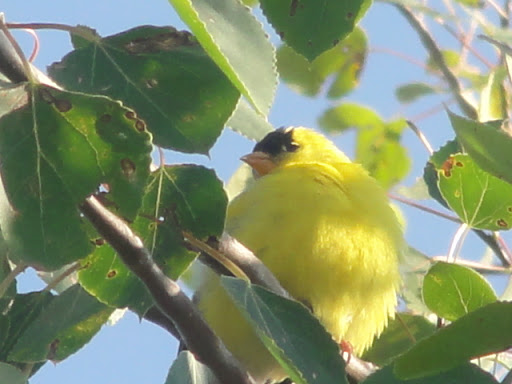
x,y
260,162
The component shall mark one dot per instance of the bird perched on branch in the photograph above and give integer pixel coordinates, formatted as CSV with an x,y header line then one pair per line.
x,y
325,229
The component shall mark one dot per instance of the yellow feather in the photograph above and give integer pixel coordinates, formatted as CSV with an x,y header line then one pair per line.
x,y
324,227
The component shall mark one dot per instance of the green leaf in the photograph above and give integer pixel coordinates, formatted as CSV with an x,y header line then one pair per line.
x,y
12,375
463,374
493,98
24,310
248,123
54,152
478,198
62,327
290,332
481,332
378,146
452,291
414,266
341,66
408,93
311,27
233,37
177,198
435,163
472,3
488,145
187,370
164,75
400,335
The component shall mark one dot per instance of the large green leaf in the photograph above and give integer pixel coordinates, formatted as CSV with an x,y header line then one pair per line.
x,y
452,291
177,198
290,332
464,374
164,75
246,121
187,370
481,332
311,27
341,66
62,327
487,144
237,43
56,150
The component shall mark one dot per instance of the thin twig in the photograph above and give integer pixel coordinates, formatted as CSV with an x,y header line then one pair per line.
x,y
438,58
421,136
61,27
482,268
432,111
11,276
169,298
400,55
68,271
423,207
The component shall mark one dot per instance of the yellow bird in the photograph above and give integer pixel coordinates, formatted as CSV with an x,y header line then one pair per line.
x,y
325,229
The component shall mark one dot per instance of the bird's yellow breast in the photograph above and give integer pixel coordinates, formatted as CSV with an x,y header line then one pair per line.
x,y
329,236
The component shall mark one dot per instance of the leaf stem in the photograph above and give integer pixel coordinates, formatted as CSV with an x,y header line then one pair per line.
x,y
423,207
421,136
458,240
68,271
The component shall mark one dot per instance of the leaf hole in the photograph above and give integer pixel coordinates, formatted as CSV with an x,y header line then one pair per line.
x,y
128,167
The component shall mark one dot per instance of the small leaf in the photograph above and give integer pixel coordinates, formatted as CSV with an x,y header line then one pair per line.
x,y
487,144
187,370
463,374
400,335
62,327
452,291
493,98
478,198
341,66
481,332
311,27
164,75
347,115
245,43
290,332
472,3
54,152
411,92
177,198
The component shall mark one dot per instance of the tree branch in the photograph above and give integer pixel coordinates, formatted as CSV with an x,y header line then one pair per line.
x,y
169,298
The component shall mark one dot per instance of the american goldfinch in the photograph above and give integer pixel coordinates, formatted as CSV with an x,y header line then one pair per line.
x,y
325,229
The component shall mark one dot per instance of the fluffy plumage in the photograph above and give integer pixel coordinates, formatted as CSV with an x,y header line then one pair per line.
x,y
324,227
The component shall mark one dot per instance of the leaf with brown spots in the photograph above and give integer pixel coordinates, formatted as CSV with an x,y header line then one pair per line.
x,y
177,198
164,75
479,199
56,150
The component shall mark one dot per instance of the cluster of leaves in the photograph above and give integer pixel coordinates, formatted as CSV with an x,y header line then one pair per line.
x,y
149,87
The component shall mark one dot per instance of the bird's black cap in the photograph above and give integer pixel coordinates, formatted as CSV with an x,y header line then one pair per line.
x,y
277,142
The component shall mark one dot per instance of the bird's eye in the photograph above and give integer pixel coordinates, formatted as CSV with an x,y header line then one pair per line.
x,y
292,147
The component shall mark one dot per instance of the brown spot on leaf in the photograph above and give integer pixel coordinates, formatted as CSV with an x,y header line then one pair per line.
x,y
459,164
310,43
130,115
509,209
293,7
161,42
335,42
502,223
63,105
188,118
140,125
280,34
99,241
350,15
128,167
111,273
447,166
86,265
52,352
106,118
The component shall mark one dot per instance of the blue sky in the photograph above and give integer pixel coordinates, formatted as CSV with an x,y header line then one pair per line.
x,y
135,352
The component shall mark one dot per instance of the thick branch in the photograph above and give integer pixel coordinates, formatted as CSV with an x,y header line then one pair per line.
x,y
169,298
